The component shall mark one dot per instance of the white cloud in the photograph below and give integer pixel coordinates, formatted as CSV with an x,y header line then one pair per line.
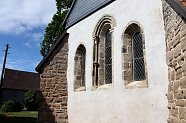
x,y
18,16
37,36
28,44
35,39
19,64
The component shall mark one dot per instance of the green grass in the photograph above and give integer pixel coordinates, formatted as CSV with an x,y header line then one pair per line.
x,y
18,117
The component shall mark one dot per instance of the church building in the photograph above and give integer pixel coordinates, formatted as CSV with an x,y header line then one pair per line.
x,y
119,61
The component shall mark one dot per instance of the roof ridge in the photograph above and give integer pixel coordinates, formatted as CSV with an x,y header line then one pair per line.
x,y
20,70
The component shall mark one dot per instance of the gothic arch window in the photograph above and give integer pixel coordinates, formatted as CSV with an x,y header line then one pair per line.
x,y
134,57
79,69
102,57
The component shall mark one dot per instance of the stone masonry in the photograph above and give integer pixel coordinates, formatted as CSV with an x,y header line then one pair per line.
x,y
127,59
175,28
53,85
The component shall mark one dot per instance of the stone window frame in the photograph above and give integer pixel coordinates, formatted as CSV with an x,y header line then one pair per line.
x,y
132,83
106,23
79,86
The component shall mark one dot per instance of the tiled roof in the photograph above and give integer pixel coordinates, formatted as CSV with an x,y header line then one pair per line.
x,y
22,80
81,9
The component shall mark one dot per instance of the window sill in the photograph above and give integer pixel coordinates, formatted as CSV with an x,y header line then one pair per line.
x,y
137,84
80,89
103,87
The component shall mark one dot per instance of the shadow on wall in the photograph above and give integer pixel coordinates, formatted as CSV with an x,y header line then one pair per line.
x,y
45,114
53,103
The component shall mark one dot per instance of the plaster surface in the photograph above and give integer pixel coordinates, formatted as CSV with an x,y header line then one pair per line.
x,y
116,104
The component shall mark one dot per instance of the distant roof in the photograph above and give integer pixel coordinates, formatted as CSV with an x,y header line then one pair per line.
x,y
81,9
22,80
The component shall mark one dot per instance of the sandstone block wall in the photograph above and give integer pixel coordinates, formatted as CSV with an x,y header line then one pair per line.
x,y
175,28
53,85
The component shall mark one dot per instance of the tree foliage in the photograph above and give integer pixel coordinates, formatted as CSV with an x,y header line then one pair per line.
x,y
31,100
55,28
63,5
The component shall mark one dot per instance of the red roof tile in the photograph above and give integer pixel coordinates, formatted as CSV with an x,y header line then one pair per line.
x,y
183,2
14,79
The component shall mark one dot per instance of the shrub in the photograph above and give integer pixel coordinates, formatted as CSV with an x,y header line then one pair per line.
x,y
31,100
7,106
11,106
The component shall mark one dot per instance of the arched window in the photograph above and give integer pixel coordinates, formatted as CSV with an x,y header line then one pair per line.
x,y
133,53
108,57
79,69
102,66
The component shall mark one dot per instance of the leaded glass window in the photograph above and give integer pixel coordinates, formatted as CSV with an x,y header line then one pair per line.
x,y
108,57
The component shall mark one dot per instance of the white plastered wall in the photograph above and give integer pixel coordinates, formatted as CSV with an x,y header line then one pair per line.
x,y
117,104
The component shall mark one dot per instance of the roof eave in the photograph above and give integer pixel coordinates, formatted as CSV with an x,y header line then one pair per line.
x,y
64,22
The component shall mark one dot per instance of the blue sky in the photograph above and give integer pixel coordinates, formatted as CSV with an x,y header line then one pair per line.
x,y
22,24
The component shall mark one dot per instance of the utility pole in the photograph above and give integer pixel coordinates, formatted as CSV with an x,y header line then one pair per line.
x,y
3,69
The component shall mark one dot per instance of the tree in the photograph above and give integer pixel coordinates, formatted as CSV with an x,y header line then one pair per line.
x,y
55,28
31,100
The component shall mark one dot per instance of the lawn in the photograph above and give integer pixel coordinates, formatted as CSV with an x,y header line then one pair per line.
x,y
18,117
